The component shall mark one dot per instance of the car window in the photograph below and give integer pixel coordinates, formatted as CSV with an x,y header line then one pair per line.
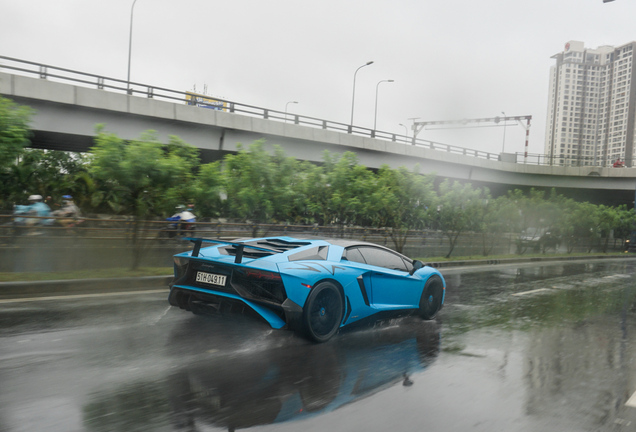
x,y
353,254
383,258
408,263
315,253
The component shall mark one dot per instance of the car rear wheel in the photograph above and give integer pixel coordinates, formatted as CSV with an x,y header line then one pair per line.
x,y
431,300
323,311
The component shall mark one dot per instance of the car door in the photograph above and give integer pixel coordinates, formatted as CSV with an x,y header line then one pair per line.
x,y
391,284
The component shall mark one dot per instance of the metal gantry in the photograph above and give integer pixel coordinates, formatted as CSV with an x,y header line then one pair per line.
x,y
418,126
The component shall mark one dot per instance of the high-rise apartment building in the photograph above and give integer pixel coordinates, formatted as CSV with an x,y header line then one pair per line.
x,y
592,106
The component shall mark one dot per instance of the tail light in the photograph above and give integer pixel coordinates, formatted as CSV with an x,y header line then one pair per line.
x,y
259,285
180,267
262,275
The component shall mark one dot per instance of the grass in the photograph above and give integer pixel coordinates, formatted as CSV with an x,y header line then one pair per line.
x,y
86,274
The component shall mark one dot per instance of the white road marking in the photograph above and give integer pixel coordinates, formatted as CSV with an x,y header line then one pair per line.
x,y
632,401
82,296
531,292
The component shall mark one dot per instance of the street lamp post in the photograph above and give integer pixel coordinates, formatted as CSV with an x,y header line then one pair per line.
x,y
375,118
406,133
130,45
286,105
413,127
353,98
503,146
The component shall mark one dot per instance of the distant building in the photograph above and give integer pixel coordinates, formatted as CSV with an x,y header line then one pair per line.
x,y
592,105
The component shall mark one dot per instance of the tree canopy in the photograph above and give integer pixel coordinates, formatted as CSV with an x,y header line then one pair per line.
x,y
145,179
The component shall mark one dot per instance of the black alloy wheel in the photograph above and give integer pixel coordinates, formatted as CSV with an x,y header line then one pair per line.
x,y
431,301
323,312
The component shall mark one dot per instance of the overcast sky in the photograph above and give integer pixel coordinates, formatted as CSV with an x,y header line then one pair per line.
x,y
450,59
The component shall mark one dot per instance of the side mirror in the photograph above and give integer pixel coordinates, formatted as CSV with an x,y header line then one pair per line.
x,y
417,264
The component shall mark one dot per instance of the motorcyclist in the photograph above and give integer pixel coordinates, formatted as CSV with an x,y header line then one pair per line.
x,y
35,208
40,209
19,210
184,220
69,212
68,209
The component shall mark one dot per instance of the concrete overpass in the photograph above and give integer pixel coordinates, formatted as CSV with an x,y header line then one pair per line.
x,y
66,115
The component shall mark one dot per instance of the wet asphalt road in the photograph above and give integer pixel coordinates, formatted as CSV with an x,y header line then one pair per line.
x,y
516,348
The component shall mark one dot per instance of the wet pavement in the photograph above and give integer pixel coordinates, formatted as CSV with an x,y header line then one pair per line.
x,y
526,347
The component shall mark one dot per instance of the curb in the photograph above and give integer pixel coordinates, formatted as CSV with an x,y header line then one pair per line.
x,y
75,286
446,264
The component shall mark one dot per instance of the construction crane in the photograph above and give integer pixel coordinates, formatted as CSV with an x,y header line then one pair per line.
x,y
418,126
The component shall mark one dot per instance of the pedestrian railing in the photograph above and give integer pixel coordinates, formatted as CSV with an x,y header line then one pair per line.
x,y
123,228
122,234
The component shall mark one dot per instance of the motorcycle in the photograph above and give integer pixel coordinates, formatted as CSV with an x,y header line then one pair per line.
x,y
26,220
181,224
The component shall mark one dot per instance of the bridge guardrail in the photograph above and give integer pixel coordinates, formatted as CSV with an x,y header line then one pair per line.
x,y
45,71
559,160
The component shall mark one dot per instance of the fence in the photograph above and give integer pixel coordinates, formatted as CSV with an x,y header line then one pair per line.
x,y
105,242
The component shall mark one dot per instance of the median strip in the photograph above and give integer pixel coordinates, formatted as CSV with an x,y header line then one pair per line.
x,y
82,296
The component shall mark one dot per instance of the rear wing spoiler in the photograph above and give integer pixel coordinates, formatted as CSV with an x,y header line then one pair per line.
x,y
198,241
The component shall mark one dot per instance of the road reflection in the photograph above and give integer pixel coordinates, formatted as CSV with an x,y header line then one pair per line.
x,y
229,374
584,370
523,349
298,380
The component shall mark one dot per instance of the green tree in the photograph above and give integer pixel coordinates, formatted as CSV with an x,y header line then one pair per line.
x,y
400,200
335,192
625,224
607,219
308,193
286,193
14,137
249,177
458,210
313,189
141,178
14,130
348,183
188,163
46,173
578,224
209,191
494,218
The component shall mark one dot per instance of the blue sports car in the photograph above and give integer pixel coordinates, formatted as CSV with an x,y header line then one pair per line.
x,y
314,287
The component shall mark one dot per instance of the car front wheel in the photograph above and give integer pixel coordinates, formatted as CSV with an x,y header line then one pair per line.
x,y
323,311
431,300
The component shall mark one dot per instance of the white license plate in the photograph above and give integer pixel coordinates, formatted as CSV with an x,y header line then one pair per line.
x,y
211,278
